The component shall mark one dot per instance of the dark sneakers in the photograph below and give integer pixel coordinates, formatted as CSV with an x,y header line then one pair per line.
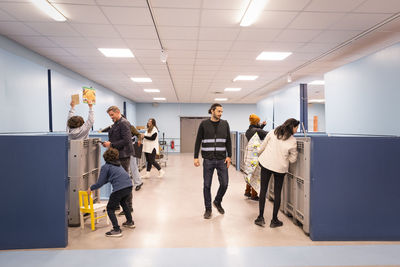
x,y
207,214
114,233
129,224
275,223
122,213
137,188
219,207
260,221
255,198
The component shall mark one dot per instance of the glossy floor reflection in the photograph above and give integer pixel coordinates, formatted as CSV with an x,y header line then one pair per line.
x,y
170,231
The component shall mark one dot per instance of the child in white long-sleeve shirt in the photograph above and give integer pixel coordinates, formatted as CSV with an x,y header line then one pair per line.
x,y
77,128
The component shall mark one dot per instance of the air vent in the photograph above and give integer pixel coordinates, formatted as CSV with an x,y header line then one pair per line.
x,y
217,93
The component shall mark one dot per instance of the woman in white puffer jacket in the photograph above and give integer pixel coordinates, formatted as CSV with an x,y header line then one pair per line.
x,y
276,151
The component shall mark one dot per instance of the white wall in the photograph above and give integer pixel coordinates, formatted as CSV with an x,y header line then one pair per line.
x,y
265,110
24,93
363,97
168,116
283,105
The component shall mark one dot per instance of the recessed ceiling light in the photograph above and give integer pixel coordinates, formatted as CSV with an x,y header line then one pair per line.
x,y
317,82
221,99
49,9
253,10
116,52
316,101
245,78
152,90
159,98
233,89
141,80
273,55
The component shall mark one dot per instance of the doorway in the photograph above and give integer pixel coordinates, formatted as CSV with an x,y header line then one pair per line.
x,y
189,127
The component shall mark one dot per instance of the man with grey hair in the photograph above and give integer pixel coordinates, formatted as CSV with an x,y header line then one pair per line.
x,y
120,137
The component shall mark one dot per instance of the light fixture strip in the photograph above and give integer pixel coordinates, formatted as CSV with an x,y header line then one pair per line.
x,y
232,89
245,78
49,9
151,90
141,80
273,55
252,12
116,52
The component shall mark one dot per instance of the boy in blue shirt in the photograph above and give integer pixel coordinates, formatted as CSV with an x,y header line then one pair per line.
x,y
112,172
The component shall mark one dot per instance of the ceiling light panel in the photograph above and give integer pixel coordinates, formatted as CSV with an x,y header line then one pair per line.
x,y
50,10
116,52
232,89
141,80
317,82
273,56
245,78
151,90
252,12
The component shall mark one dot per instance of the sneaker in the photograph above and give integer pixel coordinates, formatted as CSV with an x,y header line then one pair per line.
x,y
129,224
114,233
219,207
255,198
122,213
207,214
147,175
247,194
162,172
260,221
137,188
275,223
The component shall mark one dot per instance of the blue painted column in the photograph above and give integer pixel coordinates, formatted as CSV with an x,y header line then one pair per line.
x,y
303,106
50,100
237,151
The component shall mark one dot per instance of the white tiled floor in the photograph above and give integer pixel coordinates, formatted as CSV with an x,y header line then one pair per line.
x,y
170,231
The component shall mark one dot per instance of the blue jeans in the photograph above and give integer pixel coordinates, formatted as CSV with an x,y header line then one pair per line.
x,y
137,180
208,170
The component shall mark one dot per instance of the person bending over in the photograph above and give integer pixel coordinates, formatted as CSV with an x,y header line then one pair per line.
x,y
113,173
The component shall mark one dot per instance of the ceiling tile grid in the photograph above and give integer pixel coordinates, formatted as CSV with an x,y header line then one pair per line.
x,y
205,45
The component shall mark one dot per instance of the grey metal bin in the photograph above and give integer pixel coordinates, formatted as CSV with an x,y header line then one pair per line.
x,y
298,190
233,140
83,171
243,145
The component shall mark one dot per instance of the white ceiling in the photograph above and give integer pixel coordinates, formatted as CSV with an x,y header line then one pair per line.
x,y
206,46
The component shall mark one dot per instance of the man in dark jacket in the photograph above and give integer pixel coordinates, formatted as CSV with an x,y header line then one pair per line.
x,y
216,149
120,137
254,127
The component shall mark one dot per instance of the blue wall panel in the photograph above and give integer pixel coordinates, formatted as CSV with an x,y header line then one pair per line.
x,y
354,188
33,191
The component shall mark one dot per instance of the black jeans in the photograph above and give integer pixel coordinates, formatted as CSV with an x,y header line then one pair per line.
x,y
125,163
151,160
208,170
119,197
278,182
